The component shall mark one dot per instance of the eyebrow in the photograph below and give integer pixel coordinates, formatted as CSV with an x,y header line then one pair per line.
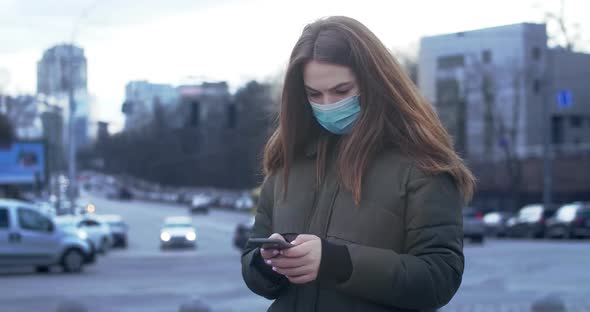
x,y
331,89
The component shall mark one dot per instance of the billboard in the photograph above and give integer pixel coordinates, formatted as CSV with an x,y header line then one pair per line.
x,y
23,163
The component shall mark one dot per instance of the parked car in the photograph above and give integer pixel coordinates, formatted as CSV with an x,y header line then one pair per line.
x,y
570,221
124,193
30,237
201,204
118,229
496,223
170,197
184,198
473,225
97,232
153,196
244,203
530,221
178,232
242,233
226,201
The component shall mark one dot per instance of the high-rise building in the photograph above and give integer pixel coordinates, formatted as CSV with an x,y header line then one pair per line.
x,y
63,66
58,64
489,87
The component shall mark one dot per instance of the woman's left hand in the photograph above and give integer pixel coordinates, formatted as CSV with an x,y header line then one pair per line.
x,y
300,264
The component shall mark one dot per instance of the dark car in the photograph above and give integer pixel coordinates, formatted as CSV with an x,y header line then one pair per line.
x,y
242,233
496,223
530,222
473,226
570,221
125,194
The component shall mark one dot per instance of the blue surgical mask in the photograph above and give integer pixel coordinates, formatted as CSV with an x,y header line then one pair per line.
x,y
338,117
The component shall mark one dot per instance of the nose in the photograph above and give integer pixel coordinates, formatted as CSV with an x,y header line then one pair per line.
x,y
329,99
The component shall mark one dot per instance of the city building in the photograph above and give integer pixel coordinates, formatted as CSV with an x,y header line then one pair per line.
x,y
490,86
60,67
140,99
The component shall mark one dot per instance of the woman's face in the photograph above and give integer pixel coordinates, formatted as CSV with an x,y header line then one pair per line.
x,y
327,83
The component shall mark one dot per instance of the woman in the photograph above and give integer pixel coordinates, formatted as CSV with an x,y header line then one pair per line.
x,y
362,178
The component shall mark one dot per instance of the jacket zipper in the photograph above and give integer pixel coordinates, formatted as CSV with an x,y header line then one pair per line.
x,y
324,233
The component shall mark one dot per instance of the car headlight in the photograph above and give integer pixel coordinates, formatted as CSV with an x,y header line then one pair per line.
x,y
165,236
82,235
191,236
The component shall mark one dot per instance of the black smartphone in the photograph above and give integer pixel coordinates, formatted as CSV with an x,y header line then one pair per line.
x,y
268,243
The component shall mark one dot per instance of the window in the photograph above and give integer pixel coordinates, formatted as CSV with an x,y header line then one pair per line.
x,y
557,129
194,114
536,86
536,53
576,121
4,222
486,56
450,62
33,221
231,116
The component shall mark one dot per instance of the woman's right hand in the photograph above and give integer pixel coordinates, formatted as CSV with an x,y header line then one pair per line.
x,y
271,253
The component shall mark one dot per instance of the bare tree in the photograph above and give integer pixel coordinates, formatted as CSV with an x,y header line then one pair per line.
x,y
499,88
562,32
409,61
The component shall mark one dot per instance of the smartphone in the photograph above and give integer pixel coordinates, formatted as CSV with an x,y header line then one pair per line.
x,y
268,243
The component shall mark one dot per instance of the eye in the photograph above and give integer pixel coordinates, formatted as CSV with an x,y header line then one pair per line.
x,y
313,94
342,92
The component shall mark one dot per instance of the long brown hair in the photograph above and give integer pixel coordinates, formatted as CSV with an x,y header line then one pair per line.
x,y
393,113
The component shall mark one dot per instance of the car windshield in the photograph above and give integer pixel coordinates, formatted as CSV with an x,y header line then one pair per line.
x,y
177,225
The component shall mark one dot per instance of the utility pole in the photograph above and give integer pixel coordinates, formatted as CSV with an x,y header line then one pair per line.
x,y
73,183
72,186
546,126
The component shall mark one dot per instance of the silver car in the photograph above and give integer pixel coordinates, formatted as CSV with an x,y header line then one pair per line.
x,y
118,229
29,237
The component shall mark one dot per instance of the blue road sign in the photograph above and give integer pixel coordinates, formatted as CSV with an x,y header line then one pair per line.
x,y
565,99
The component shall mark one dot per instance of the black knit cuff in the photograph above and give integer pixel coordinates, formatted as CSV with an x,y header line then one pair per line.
x,y
335,264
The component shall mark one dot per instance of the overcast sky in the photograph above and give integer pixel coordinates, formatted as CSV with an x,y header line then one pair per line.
x,y
235,40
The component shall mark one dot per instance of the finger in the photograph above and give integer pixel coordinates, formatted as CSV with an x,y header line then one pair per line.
x,y
277,236
304,270
301,279
268,253
302,238
297,251
287,263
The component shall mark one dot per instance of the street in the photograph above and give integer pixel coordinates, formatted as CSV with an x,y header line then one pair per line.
x,y
500,275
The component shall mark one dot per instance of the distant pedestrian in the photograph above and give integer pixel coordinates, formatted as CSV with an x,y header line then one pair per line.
x,y
362,178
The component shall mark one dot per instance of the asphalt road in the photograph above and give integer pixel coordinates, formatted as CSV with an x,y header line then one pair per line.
x,y
499,276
